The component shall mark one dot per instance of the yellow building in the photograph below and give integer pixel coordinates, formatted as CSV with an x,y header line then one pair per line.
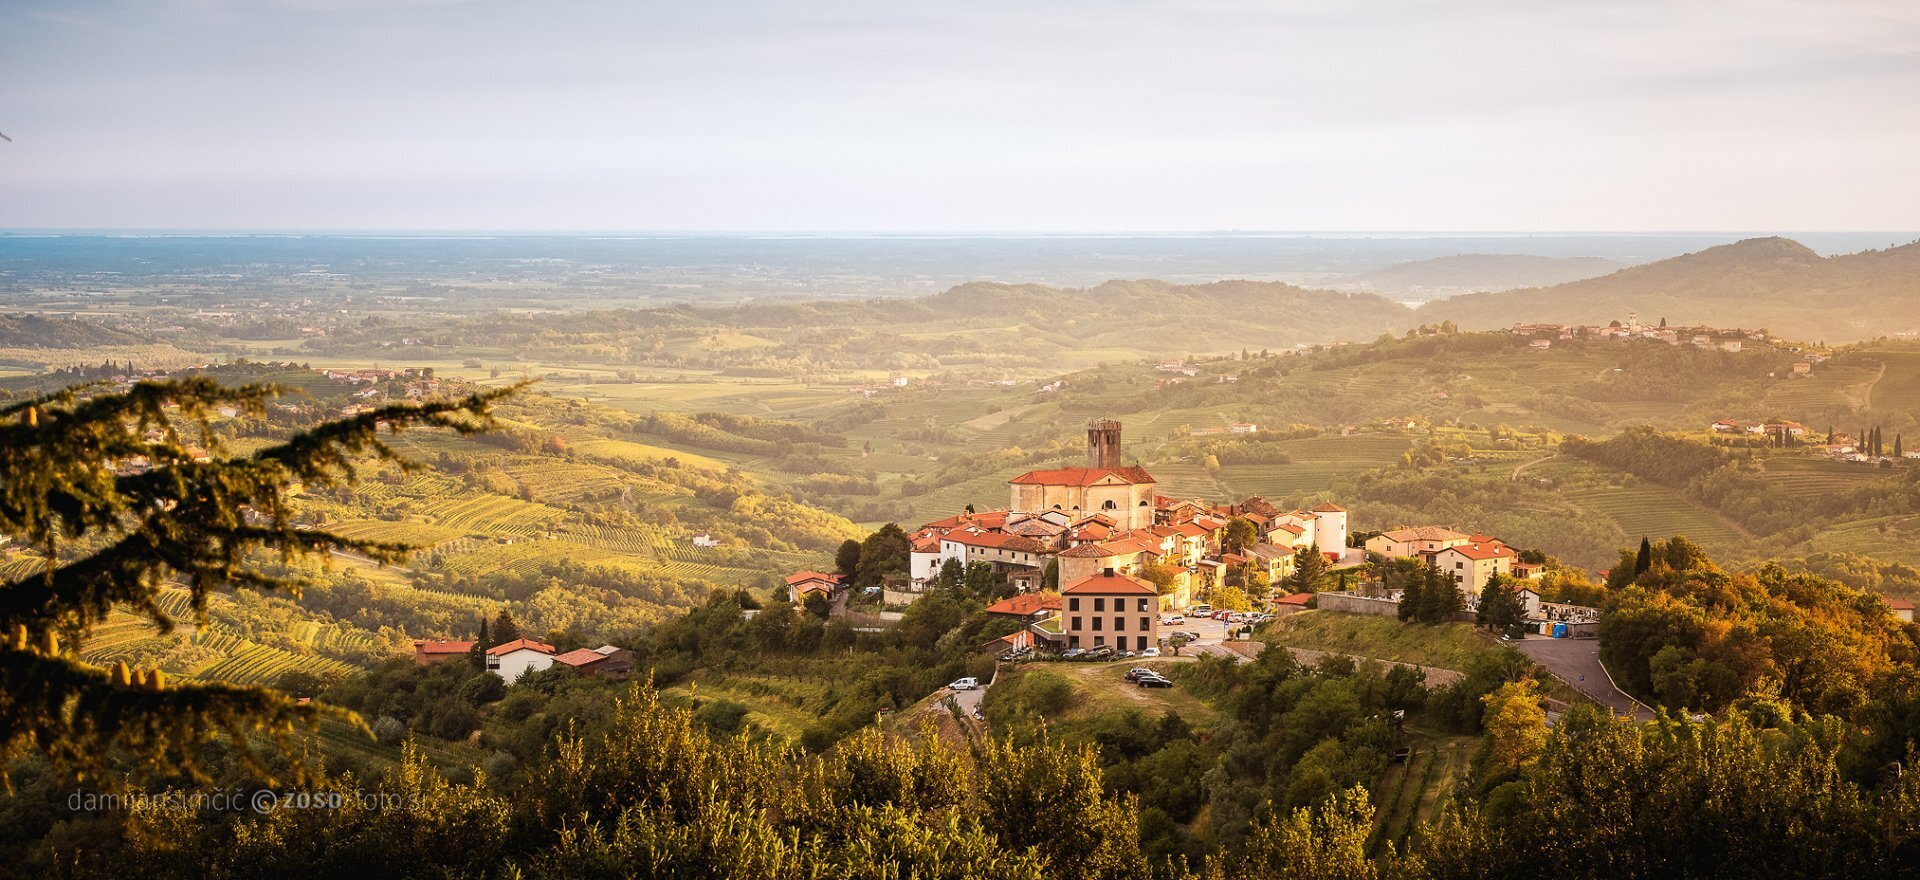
x,y
1124,494
1111,610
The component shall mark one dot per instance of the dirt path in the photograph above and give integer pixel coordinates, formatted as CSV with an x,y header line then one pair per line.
x,y
1866,392
1522,467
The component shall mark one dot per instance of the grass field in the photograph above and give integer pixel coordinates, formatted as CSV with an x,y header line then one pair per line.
x,y
1448,646
1899,389
1418,789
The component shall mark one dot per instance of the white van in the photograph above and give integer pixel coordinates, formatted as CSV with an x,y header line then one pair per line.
x,y
1200,610
964,684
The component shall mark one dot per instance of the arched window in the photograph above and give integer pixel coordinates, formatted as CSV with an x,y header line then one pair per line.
x,y
1109,505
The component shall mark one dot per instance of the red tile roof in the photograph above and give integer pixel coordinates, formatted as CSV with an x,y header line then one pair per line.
x,y
1479,552
990,519
803,576
517,644
1328,507
997,541
1083,476
440,646
1025,605
1423,533
1300,599
1901,604
1111,585
580,657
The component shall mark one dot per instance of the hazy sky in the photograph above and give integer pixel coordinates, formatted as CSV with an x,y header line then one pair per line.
x,y
980,115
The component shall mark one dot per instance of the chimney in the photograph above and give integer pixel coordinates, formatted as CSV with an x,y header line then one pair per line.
x,y
1103,443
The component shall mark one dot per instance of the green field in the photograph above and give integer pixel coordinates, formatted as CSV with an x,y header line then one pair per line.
x,y
1447,646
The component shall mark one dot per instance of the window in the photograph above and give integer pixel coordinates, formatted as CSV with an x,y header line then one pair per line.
x,y
1119,624
1109,505
1143,605
1073,604
1099,640
1096,623
1146,624
1099,604
1074,624
1141,641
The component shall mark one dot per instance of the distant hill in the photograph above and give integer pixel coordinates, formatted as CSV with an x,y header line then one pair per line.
x,y
38,331
1772,283
1474,273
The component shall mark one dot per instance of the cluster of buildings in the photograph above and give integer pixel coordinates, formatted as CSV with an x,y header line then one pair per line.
x,y
510,660
1110,517
1544,335
1780,429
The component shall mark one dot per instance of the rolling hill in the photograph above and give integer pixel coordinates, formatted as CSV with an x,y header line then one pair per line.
x,y
1772,283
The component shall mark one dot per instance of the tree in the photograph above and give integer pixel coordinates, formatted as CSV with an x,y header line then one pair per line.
x,y
1240,535
1644,559
1516,722
847,559
1309,566
1500,605
1899,451
1050,576
112,539
1157,573
477,654
952,574
504,629
884,555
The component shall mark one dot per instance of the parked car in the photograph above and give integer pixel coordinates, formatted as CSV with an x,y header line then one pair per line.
x,y
1098,652
1150,652
1172,620
964,684
1137,671
1124,655
1192,636
1153,681
1222,615
1073,653
1200,610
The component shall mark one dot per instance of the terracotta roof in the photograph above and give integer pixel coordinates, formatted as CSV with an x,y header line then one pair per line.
x,y
1025,605
1900,604
1478,552
1110,585
1086,551
1328,507
997,540
1082,476
581,657
928,544
441,646
518,644
990,519
802,577
1290,527
1193,530
1423,533
1300,599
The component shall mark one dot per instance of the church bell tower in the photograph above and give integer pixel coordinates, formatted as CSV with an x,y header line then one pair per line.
x,y
1103,443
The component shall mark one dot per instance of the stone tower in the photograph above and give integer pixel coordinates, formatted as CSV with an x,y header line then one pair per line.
x,y
1103,443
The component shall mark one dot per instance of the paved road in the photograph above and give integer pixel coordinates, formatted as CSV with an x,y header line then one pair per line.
x,y
1577,662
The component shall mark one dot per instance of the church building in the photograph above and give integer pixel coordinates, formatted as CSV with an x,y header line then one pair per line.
x,y
1105,486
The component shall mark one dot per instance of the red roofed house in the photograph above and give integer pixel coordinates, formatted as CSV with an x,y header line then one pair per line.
x,y
997,548
802,584
1111,609
518,657
1470,565
1104,486
435,650
605,660
1025,608
1902,608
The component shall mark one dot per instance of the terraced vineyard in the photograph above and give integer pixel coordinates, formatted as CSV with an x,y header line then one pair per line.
x,y
1317,464
1807,478
249,663
1418,789
1658,513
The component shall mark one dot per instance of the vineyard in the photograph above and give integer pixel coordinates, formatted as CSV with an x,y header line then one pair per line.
x,y
1658,513
1418,789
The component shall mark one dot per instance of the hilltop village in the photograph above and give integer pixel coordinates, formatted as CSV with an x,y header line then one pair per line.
x,y
1094,560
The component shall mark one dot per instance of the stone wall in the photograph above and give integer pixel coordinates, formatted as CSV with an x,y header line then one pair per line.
x,y
1354,603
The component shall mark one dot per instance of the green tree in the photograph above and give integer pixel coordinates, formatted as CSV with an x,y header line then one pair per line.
x,y
884,555
1500,605
847,559
1050,576
112,538
1240,534
1643,560
504,629
1309,567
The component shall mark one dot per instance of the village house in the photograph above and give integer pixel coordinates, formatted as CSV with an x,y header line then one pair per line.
x,y
606,661
427,651
800,585
1413,542
1113,610
518,657
1028,608
1472,564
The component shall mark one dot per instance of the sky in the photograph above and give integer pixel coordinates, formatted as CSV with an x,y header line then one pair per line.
x,y
981,116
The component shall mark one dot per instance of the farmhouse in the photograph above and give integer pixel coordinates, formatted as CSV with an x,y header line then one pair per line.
x,y
1111,610
427,651
518,657
800,585
1470,565
1409,543
606,660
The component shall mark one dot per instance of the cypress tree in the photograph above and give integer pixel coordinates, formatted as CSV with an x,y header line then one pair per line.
x,y
1644,559
504,629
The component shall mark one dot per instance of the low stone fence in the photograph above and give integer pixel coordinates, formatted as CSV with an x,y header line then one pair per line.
x,y
1354,603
